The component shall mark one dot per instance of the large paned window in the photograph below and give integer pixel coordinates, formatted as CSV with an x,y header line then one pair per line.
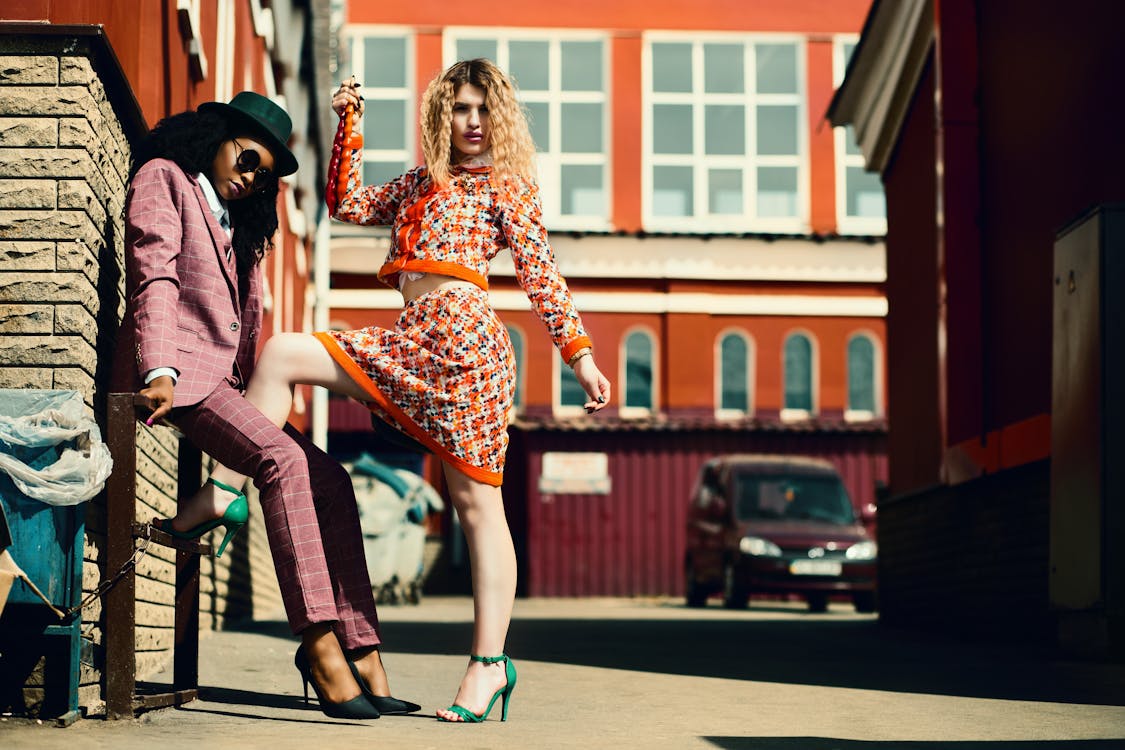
x,y
561,82
381,59
725,135
640,384
860,205
862,388
735,370
799,367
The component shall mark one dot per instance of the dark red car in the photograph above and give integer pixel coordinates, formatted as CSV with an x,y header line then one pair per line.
x,y
779,525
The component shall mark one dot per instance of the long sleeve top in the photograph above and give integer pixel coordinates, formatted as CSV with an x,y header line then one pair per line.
x,y
458,230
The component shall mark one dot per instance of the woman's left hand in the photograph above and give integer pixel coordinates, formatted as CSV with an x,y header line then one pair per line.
x,y
348,93
593,382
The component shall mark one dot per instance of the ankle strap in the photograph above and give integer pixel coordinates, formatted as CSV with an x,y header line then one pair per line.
x,y
488,659
223,486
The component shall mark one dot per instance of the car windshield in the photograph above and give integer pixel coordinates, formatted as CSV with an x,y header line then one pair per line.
x,y
817,498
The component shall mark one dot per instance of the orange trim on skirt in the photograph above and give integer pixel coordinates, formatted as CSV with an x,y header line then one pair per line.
x,y
380,400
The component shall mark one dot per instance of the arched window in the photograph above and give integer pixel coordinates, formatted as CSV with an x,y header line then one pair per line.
x,y
517,347
570,391
734,370
861,378
639,385
798,363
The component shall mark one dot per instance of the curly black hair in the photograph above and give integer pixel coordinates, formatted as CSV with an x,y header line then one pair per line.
x,y
191,140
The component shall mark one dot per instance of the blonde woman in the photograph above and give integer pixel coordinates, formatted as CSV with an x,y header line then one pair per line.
x,y
445,374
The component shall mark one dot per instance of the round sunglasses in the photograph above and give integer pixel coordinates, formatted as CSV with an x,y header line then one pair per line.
x,y
249,160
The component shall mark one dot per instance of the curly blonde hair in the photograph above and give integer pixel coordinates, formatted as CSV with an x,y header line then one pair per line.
x,y
513,151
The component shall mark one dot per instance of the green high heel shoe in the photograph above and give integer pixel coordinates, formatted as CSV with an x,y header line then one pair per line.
x,y
233,519
503,693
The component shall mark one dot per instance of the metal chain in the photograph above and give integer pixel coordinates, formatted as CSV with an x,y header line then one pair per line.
x,y
109,583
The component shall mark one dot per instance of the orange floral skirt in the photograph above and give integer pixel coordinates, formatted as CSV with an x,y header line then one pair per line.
x,y
445,374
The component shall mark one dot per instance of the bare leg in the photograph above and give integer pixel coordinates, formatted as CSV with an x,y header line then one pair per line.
x,y
287,359
492,562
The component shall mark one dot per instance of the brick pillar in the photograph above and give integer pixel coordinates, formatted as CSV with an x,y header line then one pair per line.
x,y
64,160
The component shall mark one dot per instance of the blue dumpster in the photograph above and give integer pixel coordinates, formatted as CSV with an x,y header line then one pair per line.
x,y
45,451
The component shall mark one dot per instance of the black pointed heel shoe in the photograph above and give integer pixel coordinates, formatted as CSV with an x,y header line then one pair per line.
x,y
384,704
358,707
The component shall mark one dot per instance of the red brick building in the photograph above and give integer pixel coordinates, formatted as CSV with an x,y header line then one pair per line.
x,y
722,241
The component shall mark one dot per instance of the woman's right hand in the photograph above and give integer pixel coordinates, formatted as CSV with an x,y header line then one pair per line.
x,y
348,93
159,394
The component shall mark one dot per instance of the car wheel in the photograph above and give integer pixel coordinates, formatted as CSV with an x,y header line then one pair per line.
x,y
735,595
818,602
864,601
695,596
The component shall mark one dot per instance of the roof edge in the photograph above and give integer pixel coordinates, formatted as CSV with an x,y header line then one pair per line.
x,y
882,76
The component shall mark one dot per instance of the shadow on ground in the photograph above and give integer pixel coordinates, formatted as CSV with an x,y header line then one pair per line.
x,y
851,653
827,743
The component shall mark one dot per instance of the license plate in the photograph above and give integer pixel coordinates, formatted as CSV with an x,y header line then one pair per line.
x,y
815,567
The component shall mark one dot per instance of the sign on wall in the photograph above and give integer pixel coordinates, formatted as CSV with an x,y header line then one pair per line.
x,y
584,473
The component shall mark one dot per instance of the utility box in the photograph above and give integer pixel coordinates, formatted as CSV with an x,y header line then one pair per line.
x,y
1087,557
39,653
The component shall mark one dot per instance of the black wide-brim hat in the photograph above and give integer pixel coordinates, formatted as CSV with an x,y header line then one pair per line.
x,y
264,119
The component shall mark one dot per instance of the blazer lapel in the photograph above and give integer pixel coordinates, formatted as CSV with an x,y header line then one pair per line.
x,y
219,239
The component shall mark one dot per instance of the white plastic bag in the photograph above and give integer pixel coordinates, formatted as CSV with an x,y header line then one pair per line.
x,y
40,419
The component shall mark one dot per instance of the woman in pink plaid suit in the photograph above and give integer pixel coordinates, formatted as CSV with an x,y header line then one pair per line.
x,y
200,215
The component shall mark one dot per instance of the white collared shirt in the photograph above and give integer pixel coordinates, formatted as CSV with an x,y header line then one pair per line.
x,y
217,205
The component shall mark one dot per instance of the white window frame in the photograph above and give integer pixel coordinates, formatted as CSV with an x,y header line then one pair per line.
x,y
550,161
701,220
798,415
862,415
751,354
636,412
355,34
845,224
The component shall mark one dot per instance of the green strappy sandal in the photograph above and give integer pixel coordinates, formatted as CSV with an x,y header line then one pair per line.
x,y
504,693
232,520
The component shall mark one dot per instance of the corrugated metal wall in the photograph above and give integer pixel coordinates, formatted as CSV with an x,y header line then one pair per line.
x,y
631,541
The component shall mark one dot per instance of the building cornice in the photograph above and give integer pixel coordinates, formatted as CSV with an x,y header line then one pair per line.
x,y
883,74
655,303
663,257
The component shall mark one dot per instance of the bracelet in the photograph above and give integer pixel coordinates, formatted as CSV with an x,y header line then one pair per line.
x,y
583,352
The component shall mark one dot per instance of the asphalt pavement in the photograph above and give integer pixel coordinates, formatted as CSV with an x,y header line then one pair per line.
x,y
647,673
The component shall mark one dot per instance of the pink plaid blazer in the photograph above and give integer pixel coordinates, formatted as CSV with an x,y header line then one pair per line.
x,y
182,305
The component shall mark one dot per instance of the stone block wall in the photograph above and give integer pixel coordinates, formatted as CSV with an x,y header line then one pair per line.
x,y
64,162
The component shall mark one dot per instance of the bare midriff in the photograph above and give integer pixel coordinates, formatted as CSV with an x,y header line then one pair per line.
x,y
431,282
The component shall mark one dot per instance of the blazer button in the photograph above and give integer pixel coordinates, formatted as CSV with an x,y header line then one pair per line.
x,y
234,326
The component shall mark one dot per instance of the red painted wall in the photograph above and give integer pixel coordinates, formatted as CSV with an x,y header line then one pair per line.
x,y
814,16
1051,147
914,441
146,39
631,541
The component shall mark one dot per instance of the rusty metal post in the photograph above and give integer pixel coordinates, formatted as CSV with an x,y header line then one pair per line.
x,y
185,671
120,601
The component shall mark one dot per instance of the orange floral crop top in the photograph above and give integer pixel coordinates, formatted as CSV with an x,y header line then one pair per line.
x,y
457,231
